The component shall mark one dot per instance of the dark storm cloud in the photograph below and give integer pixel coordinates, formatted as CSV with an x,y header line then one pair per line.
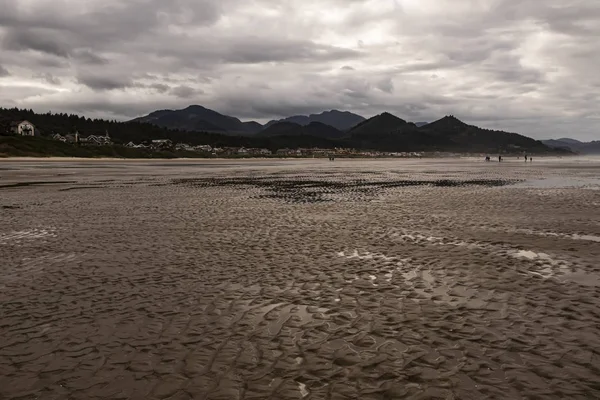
x,y
489,61
96,22
185,92
101,82
43,40
208,52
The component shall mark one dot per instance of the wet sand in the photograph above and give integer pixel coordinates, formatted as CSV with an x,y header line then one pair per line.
x,y
300,279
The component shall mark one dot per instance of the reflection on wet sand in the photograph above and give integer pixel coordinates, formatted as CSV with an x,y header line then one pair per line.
x,y
298,280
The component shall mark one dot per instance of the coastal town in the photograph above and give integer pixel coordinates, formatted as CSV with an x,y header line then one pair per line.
x,y
26,128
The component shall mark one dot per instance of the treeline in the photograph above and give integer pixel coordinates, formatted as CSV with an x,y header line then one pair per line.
x,y
123,132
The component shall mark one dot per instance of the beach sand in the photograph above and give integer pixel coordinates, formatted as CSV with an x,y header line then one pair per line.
x,y
299,279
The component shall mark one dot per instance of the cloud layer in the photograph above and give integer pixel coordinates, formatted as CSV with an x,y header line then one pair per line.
x,y
519,65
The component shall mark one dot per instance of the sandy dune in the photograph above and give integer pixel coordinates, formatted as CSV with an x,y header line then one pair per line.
x,y
300,279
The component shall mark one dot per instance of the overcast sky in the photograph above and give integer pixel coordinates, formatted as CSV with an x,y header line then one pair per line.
x,y
529,66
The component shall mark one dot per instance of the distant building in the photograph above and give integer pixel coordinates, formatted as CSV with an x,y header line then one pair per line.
x,y
261,152
162,144
254,151
229,151
70,138
183,147
132,145
95,140
319,152
59,137
204,148
22,128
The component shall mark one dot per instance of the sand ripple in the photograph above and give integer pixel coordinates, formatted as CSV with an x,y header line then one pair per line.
x,y
293,280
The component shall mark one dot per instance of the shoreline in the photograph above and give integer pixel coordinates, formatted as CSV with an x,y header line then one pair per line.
x,y
507,158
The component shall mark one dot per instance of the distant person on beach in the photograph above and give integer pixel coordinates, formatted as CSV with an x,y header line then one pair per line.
x,y
530,159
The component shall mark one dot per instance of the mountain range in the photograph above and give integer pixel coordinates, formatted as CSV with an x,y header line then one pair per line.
x,y
574,145
316,129
385,132
198,118
341,120
198,125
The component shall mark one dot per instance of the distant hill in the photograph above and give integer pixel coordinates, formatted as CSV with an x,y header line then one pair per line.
x,y
571,141
574,145
559,143
198,118
177,120
322,130
315,129
592,147
448,125
252,126
386,132
382,123
472,138
341,120
278,129
420,124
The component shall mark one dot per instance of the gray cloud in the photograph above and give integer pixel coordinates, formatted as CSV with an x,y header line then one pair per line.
x,y
3,72
159,87
185,92
521,65
48,78
258,50
386,85
101,82
87,57
43,40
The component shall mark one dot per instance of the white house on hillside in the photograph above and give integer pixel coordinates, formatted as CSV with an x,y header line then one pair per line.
x,y
95,140
23,128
